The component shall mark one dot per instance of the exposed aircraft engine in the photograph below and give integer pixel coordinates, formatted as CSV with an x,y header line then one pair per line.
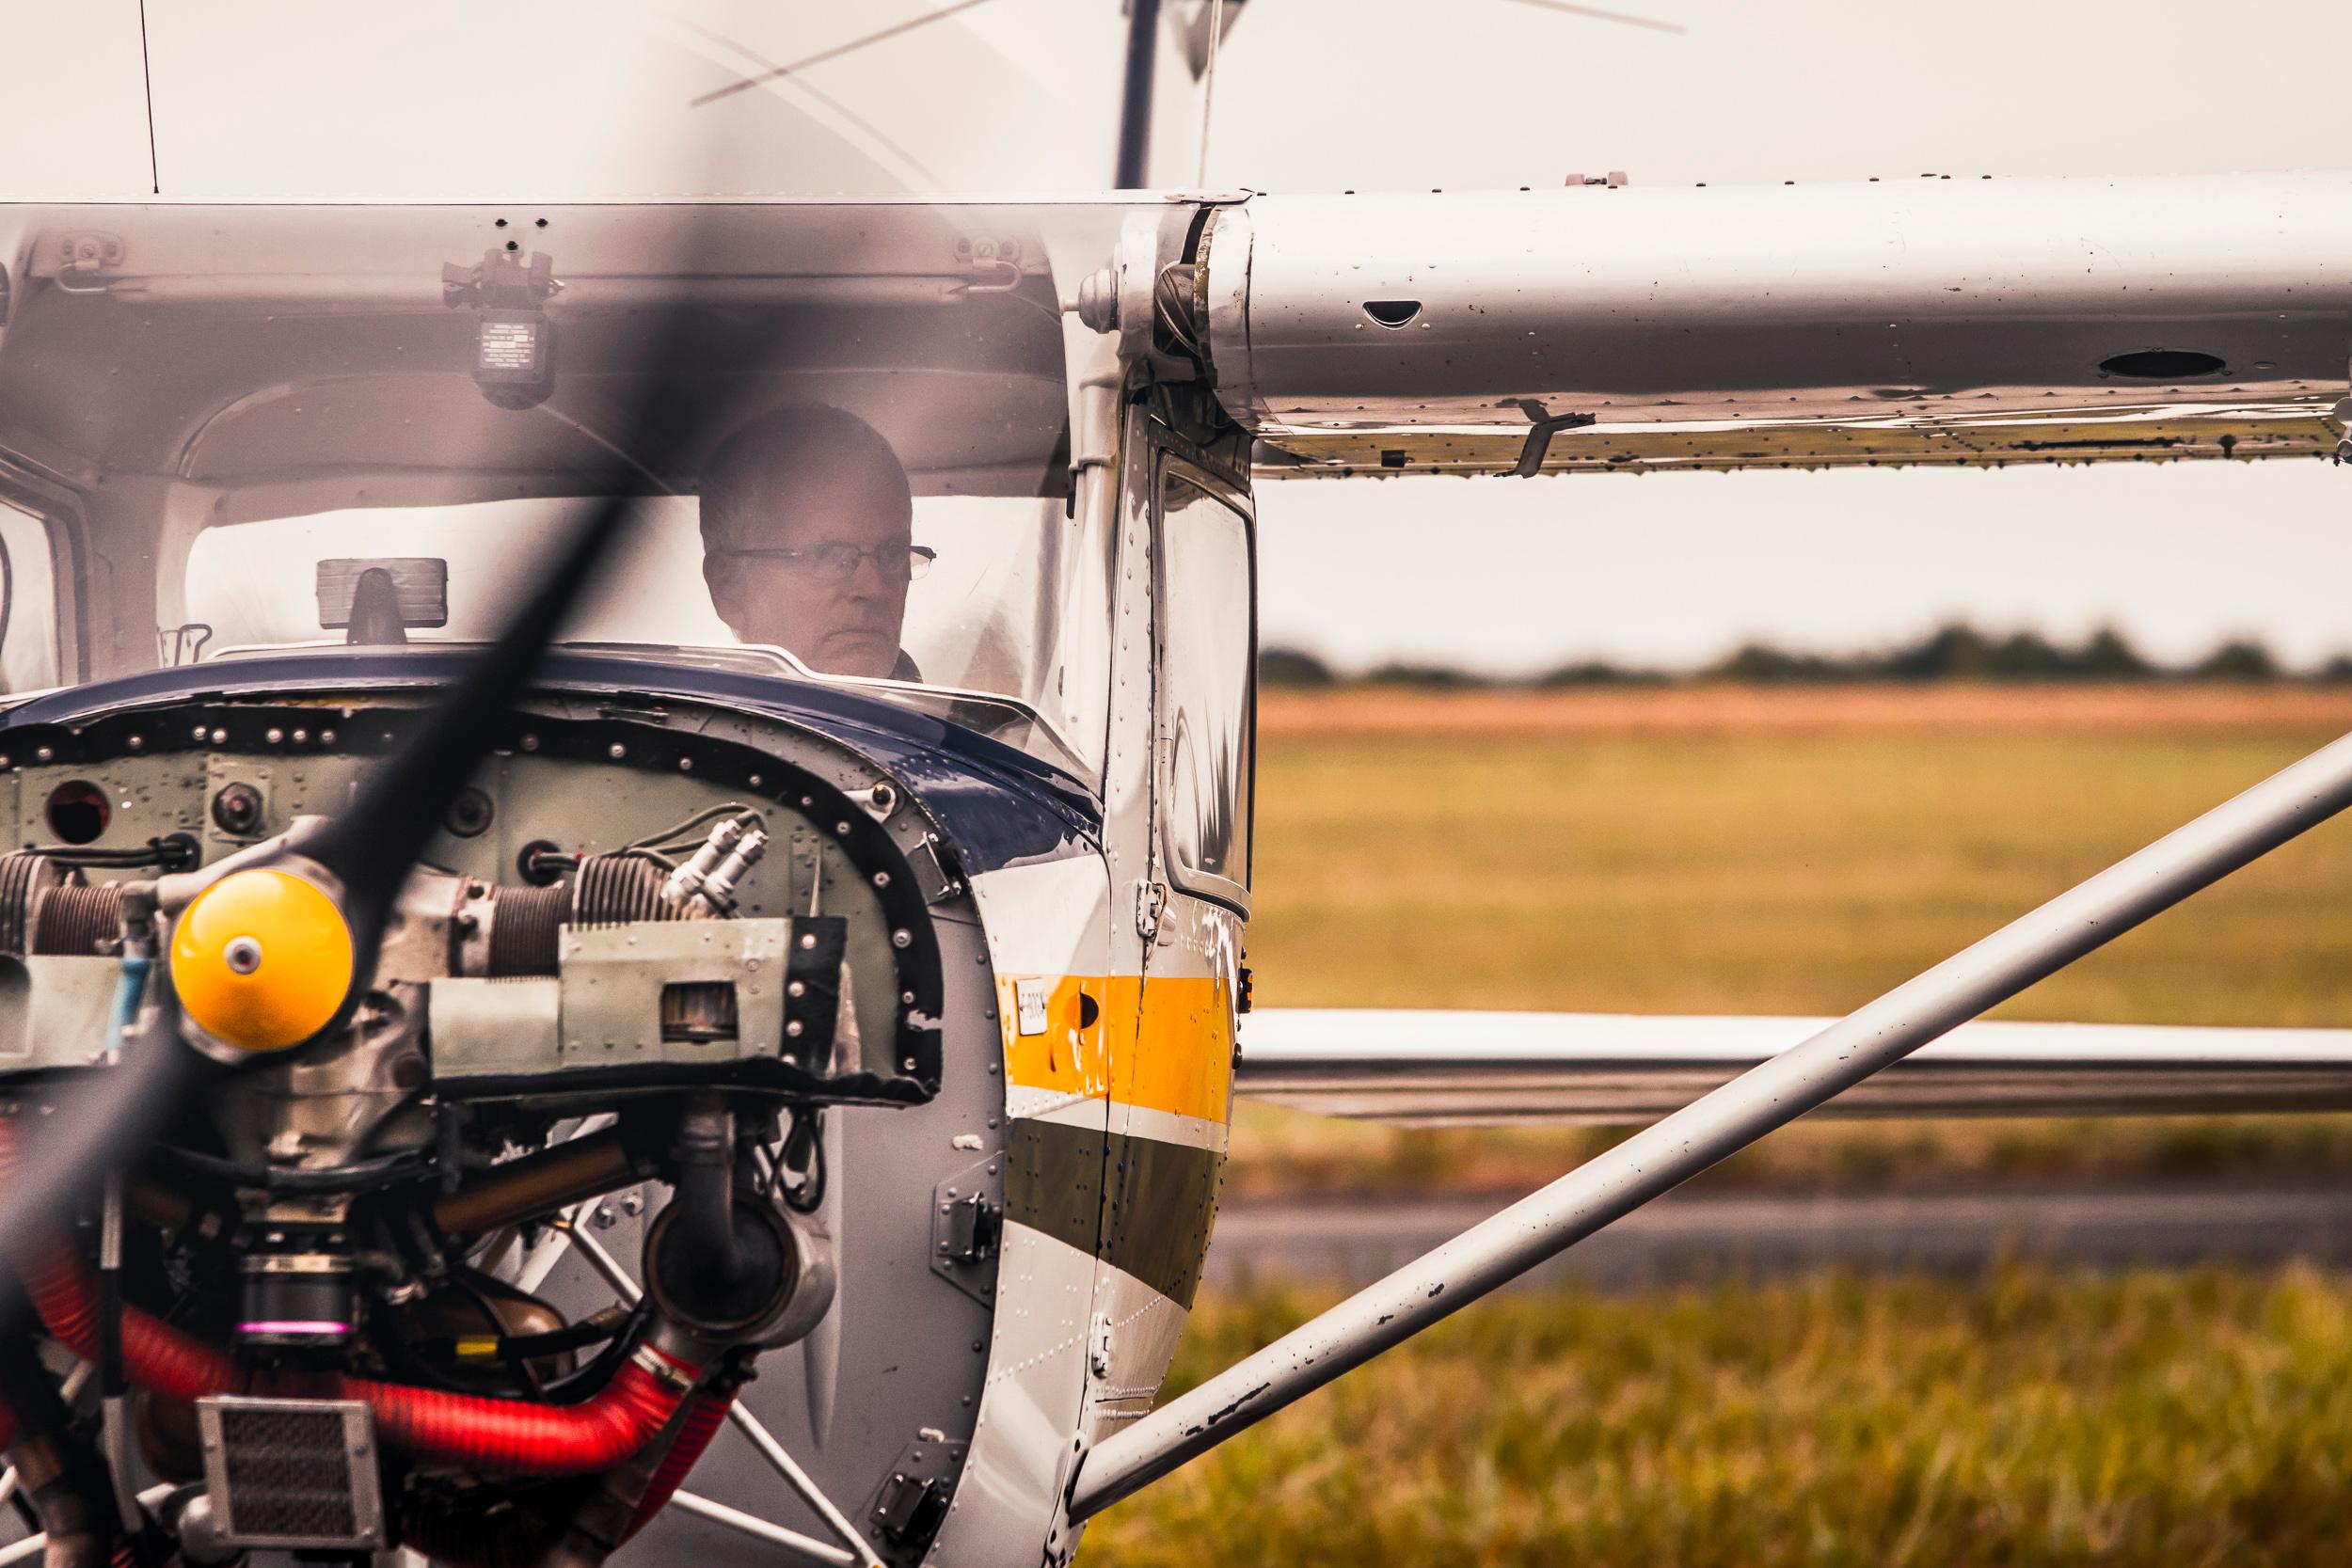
x,y
646,949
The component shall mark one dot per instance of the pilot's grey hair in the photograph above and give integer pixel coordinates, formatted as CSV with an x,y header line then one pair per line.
x,y
800,449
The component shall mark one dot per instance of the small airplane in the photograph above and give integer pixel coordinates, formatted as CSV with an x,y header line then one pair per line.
x,y
634,815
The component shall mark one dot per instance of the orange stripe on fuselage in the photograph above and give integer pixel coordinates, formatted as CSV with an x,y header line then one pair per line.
x,y
1165,1045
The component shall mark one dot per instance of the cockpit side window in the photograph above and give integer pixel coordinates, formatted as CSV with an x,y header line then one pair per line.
x,y
28,604
1207,648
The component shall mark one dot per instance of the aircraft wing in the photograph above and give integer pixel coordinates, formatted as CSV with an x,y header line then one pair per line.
x,y
1435,1069
1931,319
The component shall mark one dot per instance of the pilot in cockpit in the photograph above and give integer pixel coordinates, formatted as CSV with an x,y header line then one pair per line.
x,y
806,519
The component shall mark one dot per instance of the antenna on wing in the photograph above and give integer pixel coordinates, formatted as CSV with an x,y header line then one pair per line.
x,y
773,73
147,83
1595,13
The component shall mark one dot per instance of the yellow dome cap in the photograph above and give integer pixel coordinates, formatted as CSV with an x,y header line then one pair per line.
x,y
261,960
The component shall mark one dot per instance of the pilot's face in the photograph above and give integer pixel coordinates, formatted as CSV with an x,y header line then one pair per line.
x,y
793,591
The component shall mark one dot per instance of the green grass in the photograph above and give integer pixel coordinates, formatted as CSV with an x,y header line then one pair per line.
x,y
2027,1418
2033,1417
1772,873
1766,874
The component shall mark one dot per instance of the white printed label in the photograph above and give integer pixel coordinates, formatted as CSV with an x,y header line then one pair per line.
x,y
1030,996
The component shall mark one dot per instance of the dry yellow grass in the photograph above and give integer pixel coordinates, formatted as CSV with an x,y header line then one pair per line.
x,y
2031,1418
1785,851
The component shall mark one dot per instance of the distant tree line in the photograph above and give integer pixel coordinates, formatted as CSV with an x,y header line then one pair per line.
x,y
1952,653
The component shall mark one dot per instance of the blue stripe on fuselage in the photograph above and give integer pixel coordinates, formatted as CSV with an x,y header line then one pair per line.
x,y
999,805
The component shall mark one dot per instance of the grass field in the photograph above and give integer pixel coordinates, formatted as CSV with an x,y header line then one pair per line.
x,y
1786,852
2031,1418
1783,852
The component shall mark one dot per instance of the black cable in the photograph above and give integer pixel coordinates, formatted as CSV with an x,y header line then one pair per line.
x,y
594,1330
573,1387
169,852
665,839
804,1155
515,1365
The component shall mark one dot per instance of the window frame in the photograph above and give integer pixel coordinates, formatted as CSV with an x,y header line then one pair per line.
x,y
1171,465
58,511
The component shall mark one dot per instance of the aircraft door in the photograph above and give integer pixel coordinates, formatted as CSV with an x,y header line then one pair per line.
x,y
1171,1079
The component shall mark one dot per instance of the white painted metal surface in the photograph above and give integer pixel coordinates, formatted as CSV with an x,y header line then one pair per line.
x,y
1434,1069
1935,320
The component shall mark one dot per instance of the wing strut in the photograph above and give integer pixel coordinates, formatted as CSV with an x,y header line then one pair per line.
x,y
1668,1152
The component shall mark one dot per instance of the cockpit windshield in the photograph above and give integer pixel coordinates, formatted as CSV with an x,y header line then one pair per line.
x,y
964,617
842,436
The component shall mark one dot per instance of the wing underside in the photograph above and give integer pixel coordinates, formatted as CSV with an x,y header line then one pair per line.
x,y
1937,321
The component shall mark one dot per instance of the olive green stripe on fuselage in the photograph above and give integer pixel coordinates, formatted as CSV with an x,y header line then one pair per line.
x,y
1163,1198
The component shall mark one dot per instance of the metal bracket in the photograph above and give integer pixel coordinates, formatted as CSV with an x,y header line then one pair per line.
x,y
1546,425
937,876
912,1502
1151,903
2341,418
814,990
85,253
968,1227
1098,1345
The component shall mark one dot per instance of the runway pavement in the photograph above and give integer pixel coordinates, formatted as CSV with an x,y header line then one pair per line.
x,y
1699,1237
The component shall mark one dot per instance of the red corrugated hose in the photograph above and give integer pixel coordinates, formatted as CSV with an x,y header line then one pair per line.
x,y
462,1429
702,1419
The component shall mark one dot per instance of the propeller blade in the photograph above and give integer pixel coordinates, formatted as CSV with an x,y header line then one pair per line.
x,y
98,1124
372,846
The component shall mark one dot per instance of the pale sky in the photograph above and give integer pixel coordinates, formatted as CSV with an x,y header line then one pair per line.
x,y
1500,574
1516,574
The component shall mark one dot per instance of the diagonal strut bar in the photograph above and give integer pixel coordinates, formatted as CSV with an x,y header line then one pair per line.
x,y
1671,1150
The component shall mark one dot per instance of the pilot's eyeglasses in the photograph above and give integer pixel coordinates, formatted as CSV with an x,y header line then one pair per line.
x,y
838,562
